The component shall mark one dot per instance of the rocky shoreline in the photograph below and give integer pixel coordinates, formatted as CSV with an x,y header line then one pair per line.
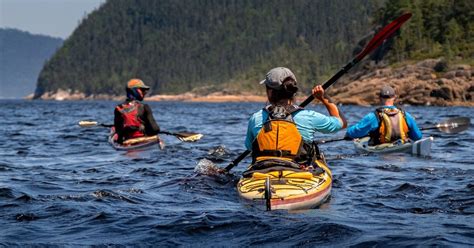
x,y
428,82
68,95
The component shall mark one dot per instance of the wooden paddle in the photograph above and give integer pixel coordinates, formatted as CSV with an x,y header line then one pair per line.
x,y
385,33
183,136
451,125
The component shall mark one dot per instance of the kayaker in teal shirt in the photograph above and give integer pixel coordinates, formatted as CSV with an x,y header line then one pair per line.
x,y
387,123
282,138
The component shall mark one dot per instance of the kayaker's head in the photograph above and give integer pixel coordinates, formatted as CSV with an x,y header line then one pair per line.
x,y
136,89
387,95
281,86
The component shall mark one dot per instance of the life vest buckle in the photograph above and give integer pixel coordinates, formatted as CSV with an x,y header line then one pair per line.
x,y
279,153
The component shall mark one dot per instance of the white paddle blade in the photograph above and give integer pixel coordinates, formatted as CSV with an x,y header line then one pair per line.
x,y
454,125
88,123
191,138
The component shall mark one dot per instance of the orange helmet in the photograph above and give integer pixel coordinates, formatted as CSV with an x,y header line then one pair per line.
x,y
136,83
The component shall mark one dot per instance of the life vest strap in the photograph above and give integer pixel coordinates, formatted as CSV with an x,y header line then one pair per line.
x,y
276,153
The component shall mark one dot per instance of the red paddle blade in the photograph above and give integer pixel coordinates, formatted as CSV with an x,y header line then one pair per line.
x,y
383,34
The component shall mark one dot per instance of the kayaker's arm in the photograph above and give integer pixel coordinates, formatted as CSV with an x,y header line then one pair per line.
x,y
363,127
318,93
151,127
118,124
253,127
414,132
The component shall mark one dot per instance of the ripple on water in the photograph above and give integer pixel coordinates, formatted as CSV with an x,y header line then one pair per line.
x,y
5,167
106,195
411,188
25,198
26,217
310,234
453,144
6,193
389,167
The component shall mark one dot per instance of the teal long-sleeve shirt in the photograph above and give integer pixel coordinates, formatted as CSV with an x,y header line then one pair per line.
x,y
308,122
370,123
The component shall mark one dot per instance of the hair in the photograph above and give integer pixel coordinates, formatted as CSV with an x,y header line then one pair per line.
x,y
286,92
132,94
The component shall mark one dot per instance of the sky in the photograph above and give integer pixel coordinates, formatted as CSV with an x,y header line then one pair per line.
x,y
57,18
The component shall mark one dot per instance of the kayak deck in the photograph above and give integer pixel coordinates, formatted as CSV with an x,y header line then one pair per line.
x,y
133,144
289,189
420,147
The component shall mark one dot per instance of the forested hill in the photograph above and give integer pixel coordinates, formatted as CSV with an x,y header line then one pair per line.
x,y
176,46
22,55
438,28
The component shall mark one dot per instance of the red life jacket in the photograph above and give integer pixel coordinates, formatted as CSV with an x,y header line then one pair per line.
x,y
133,126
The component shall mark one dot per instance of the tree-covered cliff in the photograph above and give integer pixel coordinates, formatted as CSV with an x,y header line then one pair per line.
x,y
176,46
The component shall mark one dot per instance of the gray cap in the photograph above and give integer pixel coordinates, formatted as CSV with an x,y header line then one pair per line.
x,y
387,92
276,76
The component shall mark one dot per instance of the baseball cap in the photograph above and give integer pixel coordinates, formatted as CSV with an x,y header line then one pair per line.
x,y
387,92
136,83
276,76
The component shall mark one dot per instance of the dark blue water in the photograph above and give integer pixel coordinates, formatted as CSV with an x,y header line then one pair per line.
x,y
64,185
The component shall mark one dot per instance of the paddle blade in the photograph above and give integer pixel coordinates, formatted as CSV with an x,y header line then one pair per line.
x,y
88,123
383,34
189,137
454,125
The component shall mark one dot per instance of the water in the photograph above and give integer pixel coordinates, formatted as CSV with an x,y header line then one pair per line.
x,y
64,185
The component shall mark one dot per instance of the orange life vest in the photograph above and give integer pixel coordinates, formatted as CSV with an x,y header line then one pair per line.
x,y
279,138
133,126
392,126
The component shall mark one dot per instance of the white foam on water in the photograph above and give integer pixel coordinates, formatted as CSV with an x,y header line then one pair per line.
x,y
207,167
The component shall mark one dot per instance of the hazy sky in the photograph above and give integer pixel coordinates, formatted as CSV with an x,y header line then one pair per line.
x,y
56,18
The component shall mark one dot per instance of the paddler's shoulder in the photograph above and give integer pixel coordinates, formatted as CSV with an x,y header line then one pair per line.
x,y
258,113
306,113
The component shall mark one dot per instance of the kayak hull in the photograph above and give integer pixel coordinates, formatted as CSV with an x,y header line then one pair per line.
x,y
290,190
129,147
420,147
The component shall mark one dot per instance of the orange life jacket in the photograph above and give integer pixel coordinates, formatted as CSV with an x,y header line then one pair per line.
x,y
392,126
279,138
133,126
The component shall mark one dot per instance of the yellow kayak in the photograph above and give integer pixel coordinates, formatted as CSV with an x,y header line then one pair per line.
x,y
289,188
